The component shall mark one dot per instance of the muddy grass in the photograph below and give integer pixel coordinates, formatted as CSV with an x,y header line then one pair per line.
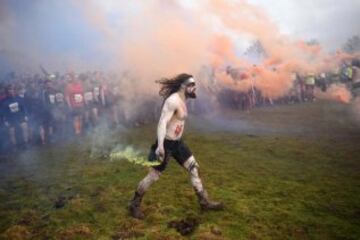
x,y
287,172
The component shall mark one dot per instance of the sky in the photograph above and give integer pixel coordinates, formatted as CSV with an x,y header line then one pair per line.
x,y
331,22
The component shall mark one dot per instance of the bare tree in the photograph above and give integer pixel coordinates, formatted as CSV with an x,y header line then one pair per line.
x,y
257,49
352,45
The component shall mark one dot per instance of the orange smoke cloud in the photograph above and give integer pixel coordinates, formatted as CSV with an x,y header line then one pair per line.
x,y
147,45
337,93
283,53
190,38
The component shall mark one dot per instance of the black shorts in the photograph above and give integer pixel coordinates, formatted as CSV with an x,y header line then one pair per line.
x,y
47,118
16,122
91,105
176,149
77,111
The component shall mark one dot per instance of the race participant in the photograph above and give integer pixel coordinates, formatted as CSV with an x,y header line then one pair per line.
x,y
309,87
89,98
74,95
14,116
169,142
60,110
3,138
49,102
36,111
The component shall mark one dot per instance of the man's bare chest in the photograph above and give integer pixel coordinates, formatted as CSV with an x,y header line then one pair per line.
x,y
181,112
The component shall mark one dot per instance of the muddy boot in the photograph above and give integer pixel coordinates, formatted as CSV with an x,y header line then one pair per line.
x,y
207,204
134,206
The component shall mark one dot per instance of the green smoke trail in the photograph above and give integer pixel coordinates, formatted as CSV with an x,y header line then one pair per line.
x,y
132,156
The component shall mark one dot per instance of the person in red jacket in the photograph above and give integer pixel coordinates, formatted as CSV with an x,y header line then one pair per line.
x,y
74,93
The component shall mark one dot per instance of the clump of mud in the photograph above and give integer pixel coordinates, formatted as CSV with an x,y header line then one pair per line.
x,y
60,202
64,198
185,226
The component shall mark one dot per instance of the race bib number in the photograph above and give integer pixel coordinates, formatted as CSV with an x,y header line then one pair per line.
x,y
88,96
96,91
52,98
59,97
14,107
310,81
78,98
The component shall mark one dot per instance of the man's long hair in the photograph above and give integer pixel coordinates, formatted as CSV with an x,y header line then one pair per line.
x,y
172,85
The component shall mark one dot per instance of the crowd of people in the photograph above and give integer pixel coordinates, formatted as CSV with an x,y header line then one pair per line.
x,y
44,110
51,108
302,90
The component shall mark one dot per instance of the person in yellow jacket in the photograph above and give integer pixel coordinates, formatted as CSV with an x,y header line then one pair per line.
x,y
309,87
348,73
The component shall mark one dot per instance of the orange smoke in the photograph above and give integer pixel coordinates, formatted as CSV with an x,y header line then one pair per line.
x,y
313,49
337,93
190,38
284,55
222,50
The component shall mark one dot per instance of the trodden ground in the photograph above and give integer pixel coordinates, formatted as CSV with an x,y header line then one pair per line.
x,y
285,172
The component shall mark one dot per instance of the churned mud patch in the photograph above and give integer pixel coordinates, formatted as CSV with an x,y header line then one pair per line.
x,y
273,183
185,226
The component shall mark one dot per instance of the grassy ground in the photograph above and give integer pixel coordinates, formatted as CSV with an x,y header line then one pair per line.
x,y
289,172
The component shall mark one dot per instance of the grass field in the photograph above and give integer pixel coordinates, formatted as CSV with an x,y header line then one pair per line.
x,y
286,172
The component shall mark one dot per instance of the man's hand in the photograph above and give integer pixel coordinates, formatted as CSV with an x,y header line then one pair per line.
x,y
160,152
7,124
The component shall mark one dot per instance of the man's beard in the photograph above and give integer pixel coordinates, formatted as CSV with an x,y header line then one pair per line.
x,y
190,94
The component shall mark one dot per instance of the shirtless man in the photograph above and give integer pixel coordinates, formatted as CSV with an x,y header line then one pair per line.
x,y
169,143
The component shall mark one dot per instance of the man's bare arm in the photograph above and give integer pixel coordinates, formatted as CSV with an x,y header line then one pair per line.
x,y
167,112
